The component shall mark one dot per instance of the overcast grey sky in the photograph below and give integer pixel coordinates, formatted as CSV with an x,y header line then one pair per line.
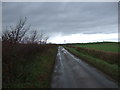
x,y
78,21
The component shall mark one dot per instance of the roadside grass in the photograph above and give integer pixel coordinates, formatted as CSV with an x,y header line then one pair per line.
x,y
108,68
109,57
102,46
26,71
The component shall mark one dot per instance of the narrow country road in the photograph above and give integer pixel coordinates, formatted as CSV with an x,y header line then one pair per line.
x,y
71,72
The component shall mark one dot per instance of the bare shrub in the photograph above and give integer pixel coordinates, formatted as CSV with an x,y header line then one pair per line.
x,y
15,34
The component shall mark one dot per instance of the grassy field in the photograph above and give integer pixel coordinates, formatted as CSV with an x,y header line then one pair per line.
x,y
28,66
102,46
97,57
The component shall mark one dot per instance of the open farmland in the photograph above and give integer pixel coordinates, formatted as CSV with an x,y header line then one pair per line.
x,y
102,46
102,55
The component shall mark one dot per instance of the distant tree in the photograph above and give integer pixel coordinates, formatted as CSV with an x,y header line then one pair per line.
x,y
41,36
5,35
16,34
33,37
46,39
25,40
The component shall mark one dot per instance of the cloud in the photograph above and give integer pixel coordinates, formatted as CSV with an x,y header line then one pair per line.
x,y
83,38
64,17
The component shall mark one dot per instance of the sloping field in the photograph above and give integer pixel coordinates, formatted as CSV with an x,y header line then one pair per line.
x,y
102,55
102,46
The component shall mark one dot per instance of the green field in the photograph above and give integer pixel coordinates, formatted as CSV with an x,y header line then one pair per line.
x,y
103,46
102,55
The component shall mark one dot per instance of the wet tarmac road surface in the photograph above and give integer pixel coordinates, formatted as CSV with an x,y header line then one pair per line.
x,y
71,72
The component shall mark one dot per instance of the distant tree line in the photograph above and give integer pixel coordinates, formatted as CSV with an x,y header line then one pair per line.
x,y
21,33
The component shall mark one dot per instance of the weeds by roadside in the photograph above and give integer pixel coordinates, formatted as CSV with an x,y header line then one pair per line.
x,y
27,65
